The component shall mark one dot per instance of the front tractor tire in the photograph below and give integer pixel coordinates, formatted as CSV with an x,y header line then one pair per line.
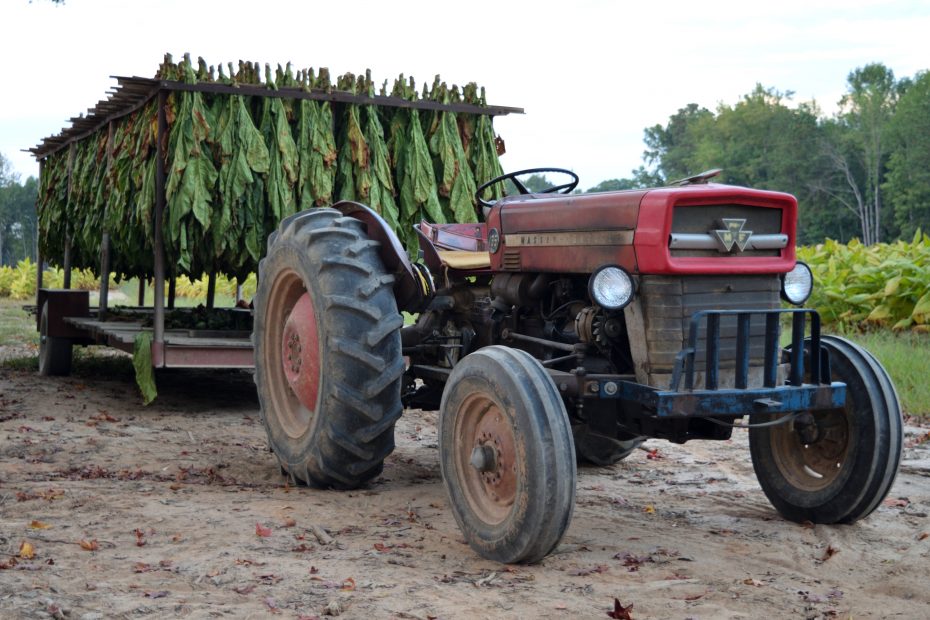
x,y
840,468
506,455
328,361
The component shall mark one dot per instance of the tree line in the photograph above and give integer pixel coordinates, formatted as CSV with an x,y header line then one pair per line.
x,y
17,215
863,172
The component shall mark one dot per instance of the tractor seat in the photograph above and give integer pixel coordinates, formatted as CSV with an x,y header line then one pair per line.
x,y
465,259
459,247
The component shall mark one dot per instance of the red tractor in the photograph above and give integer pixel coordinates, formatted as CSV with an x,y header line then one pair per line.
x,y
566,326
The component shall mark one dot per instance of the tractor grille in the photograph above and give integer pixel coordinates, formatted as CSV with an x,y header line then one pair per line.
x,y
704,219
511,260
668,302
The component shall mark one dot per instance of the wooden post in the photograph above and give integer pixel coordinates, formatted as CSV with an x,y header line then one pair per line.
x,y
172,286
211,289
103,302
39,258
238,291
67,266
142,283
67,256
158,345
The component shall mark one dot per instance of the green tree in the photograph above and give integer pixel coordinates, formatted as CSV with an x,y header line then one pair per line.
x,y
866,111
907,182
671,151
641,178
17,215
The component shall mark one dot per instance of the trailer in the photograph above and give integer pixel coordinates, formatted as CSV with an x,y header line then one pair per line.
x,y
65,318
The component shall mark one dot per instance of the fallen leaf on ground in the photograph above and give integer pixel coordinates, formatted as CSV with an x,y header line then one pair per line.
x,y
27,551
157,594
649,509
829,553
897,502
244,589
923,536
140,537
348,585
89,545
289,522
752,582
272,605
261,530
620,612
38,525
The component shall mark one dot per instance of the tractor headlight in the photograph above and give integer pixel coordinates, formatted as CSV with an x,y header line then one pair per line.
x,y
797,284
611,288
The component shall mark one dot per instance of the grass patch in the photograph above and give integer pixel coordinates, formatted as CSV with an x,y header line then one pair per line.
x,y
16,326
906,357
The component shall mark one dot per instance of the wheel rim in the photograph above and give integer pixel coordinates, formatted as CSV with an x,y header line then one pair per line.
x,y
490,490
815,465
291,354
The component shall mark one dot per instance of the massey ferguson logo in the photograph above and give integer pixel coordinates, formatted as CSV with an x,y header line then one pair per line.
x,y
732,234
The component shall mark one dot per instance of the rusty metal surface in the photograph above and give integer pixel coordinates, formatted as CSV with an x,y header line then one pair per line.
x,y
566,234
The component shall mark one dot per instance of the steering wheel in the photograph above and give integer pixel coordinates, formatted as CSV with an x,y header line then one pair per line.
x,y
564,188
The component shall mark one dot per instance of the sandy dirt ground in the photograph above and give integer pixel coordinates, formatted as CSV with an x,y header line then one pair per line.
x,y
112,510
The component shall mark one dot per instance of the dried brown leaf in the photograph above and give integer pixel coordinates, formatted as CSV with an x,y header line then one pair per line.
x,y
620,612
89,545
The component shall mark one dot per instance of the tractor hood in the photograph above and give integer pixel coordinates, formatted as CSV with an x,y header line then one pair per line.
x,y
706,229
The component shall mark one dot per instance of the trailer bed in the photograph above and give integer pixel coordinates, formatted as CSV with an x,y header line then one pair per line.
x,y
184,348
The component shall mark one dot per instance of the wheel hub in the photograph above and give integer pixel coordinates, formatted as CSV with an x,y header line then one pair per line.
x,y
486,456
300,353
811,450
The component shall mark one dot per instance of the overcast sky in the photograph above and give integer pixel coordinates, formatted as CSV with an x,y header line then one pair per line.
x,y
590,74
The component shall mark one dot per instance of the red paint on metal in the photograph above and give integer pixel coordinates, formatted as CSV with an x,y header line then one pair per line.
x,y
177,356
566,213
534,213
300,352
655,223
467,237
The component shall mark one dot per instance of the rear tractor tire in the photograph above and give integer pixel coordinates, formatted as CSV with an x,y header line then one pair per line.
x,y
54,353
328,361
838,466
506,455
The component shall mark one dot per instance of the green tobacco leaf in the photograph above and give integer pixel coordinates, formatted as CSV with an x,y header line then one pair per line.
x,y
142,362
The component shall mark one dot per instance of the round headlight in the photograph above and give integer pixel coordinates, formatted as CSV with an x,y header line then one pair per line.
x,y
797,284
611,288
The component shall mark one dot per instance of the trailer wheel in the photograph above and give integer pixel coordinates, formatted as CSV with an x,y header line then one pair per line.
x,y
506,455
54,353
328,361
834,466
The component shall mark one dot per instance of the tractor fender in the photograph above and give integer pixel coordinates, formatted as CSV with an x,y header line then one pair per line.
x,y
408,290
